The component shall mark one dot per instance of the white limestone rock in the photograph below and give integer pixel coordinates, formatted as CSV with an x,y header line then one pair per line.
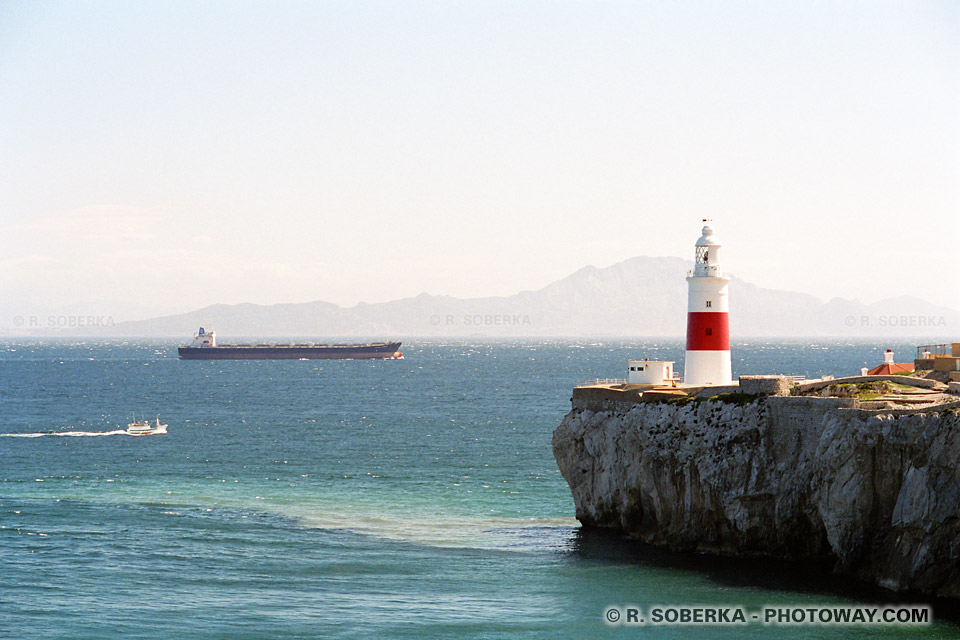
x,y
877,495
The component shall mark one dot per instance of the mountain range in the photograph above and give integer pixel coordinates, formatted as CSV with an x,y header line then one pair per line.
x,y
642,296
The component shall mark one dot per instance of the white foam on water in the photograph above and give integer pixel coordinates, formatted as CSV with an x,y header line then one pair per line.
x,y
90,434
83,434
485,533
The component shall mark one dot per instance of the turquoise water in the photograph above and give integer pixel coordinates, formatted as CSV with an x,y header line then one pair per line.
x,y
293,499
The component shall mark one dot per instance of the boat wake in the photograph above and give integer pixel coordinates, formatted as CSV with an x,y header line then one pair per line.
x,y
83,434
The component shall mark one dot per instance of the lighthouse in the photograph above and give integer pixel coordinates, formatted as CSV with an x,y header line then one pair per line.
x,y
708,330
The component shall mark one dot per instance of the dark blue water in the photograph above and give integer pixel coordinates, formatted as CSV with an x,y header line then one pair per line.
x,y
355,499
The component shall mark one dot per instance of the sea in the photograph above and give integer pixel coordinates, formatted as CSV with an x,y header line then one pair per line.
x,y
413,498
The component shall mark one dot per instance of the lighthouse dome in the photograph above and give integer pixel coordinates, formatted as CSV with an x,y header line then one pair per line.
x,y
707,239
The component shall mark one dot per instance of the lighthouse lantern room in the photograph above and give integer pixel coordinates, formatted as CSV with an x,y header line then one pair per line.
x,y
707,359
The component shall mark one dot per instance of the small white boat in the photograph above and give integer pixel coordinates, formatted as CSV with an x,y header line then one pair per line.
x,y
144,428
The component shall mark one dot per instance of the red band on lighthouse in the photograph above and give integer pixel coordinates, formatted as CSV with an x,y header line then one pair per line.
x,y
708,331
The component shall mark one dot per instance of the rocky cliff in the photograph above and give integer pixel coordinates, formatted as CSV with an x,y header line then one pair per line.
x,y
877,494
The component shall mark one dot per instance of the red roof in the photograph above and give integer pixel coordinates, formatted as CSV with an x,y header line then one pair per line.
x,y
888,369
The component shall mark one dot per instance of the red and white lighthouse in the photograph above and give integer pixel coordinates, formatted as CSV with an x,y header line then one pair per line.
x,y
708,329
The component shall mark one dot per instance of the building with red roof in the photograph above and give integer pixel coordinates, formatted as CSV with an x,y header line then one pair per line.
x,y
889,367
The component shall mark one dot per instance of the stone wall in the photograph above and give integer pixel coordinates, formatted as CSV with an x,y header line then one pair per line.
x,y
816,385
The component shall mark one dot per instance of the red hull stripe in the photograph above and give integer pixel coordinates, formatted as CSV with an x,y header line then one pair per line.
x,y
708,331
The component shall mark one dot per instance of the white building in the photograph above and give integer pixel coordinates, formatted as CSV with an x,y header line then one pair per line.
x,y
650,372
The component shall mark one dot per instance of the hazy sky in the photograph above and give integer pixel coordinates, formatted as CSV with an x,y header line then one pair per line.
x,y
156,157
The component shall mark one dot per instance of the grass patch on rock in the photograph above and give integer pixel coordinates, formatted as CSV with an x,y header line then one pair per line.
x,y
739,399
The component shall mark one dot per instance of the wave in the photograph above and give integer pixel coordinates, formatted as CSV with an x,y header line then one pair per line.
x,y
80,434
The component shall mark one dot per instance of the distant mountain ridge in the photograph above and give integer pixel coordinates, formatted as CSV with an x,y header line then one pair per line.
x,y
642,296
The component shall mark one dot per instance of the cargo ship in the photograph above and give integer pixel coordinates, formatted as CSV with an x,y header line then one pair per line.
x,y
205,347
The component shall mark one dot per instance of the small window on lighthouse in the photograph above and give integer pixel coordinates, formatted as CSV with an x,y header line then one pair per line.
x,y
702,253
709,304
709,332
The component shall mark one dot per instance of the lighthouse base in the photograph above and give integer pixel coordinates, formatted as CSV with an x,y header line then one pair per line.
x,y
708,368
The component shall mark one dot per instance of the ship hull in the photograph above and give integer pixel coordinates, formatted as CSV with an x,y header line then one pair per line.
x,y
380,351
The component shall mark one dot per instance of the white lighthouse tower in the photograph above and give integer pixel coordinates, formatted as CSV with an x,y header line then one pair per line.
x,y
708,330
